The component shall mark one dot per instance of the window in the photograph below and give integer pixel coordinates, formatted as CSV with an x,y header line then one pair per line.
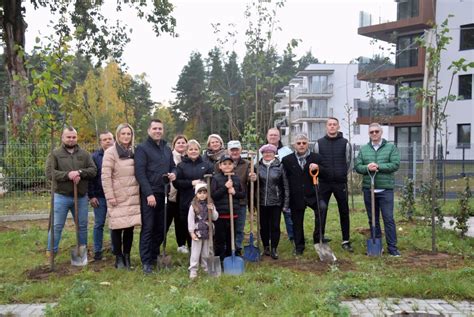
x,y
317,108
464,135
407,9
465,87
356,104
467,37
356,128
406,100
407,51
319,84
356,82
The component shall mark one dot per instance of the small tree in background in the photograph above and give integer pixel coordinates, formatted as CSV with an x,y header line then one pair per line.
x,y
464,211
407,199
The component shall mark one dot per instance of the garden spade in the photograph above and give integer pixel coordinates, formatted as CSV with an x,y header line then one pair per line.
x,y
213,262
79,252
251,252
324,251
164,260
374,245
233,265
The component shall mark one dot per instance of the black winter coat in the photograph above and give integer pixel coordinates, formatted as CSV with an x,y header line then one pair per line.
x,y
151,162
220,195
274,189
301,183
189,170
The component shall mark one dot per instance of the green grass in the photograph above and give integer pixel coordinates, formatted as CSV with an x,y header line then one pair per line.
x,y
282,287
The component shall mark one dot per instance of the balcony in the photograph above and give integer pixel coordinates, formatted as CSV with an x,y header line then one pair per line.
x,y
281,106
313,115
402,111
422,18
302,93
382,70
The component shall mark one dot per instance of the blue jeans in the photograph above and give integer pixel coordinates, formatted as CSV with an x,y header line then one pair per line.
x,y
288,224
62,204
384,204
100,214
239,226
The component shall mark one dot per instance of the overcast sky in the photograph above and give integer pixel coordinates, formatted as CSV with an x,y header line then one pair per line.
x,y
327,27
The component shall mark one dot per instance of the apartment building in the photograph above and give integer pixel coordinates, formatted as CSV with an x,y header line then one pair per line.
x,y
321,91
403,119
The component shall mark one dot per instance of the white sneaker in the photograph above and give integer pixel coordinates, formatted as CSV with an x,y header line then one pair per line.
x,y
193,275
183,249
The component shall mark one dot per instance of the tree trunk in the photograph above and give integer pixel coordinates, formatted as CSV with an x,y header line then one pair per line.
x,y
14,27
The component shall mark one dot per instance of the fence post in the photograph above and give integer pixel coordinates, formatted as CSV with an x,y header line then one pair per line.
x,y
414,170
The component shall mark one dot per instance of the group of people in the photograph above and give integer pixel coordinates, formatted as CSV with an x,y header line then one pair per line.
x,y
128,184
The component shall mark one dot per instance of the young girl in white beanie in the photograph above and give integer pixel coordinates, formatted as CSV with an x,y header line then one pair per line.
x,y
198,226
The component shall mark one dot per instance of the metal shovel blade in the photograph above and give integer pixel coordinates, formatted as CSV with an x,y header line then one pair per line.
x,y
164,261
79,256
251,252
234,265
325,253
374,245
213,265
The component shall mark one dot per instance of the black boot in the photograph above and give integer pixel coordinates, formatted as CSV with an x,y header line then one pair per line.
x,y
119,262
274,254
266,251
126,258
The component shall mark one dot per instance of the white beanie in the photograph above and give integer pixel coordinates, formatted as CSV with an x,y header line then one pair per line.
x,y
200,186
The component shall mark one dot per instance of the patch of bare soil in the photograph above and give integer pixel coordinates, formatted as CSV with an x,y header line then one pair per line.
x,y
44,272
312,265
428,260
5,229
363,231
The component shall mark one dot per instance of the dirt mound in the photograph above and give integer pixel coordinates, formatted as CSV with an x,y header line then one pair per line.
x,y
44,272
428,260
313,265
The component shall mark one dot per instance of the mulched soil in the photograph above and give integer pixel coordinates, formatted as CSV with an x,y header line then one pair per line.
x,y
311,265
427,260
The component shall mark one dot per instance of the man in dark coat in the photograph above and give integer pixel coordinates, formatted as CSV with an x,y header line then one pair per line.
x,y
96,194
153,159
302,192
335,153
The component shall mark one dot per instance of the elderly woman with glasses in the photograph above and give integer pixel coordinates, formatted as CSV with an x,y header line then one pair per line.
x,y
302,192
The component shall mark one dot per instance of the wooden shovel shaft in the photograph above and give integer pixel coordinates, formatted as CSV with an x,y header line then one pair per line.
x,y
252,194
209,215
76,215
231,209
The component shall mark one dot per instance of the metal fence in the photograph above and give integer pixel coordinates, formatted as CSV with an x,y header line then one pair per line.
x,y
24,188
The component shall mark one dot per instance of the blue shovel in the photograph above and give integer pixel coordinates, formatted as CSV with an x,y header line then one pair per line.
x,y
233,265
374,245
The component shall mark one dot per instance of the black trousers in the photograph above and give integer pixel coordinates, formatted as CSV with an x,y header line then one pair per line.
x,y
270,225
339,190
222,238
122,240
180,228
153,226
297,216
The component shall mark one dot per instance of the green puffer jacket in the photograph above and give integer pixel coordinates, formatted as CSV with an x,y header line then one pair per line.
x,y
388,159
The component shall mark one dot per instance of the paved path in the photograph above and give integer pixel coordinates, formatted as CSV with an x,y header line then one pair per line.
x,y
470,224
409,307
24,310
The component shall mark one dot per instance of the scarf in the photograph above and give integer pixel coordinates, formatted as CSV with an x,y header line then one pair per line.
x,y
124,153
215,156
302,158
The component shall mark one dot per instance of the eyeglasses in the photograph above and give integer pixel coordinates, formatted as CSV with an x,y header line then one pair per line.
x,y
374,132
301,143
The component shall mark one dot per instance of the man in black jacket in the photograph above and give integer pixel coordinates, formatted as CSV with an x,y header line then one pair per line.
x,y
335,153
153,159
96,194
302,193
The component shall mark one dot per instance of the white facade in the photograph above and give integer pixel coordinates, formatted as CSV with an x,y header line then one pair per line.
x,y
327,90
460,112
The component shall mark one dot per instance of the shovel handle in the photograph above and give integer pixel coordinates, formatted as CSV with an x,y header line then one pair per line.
x,y
231,209
76,213
209,214
314,174
252,193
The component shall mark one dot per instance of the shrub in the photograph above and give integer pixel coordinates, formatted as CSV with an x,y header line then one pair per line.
x,y
407,199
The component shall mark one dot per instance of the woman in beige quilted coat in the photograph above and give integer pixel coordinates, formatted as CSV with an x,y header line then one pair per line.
x,y
122,193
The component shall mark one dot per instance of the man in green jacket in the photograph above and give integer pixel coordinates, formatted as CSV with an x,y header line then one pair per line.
x,y
69,165
382,158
